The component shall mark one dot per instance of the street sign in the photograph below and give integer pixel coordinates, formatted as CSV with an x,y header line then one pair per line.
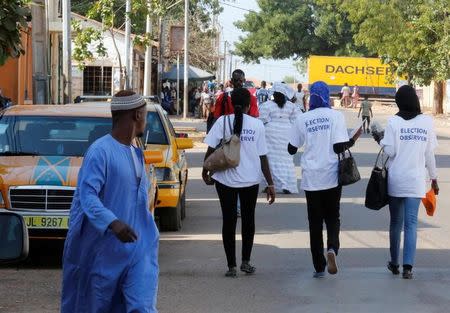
x,y
176,38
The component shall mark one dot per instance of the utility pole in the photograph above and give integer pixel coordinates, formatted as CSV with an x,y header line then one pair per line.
x,y
160,54
186,57
127,45
231,64
224,73
148,60
40,52
67,51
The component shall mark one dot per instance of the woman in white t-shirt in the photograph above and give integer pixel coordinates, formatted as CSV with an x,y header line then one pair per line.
x,y
323,133
409,141
242,181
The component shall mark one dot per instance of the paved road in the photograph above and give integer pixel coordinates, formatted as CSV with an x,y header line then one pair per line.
x,y
193,263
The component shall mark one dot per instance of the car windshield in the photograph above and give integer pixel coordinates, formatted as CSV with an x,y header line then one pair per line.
x,y
50,135
249,84
155,132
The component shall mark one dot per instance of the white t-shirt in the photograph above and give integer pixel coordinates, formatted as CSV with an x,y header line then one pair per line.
x,y
137,163
345,91
253,145
410,146
318,130
299,96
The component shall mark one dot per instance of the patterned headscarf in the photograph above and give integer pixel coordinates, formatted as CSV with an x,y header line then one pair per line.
x,y
319,96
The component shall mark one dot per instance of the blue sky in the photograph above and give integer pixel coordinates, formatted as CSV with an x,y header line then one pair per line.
x,y
269,70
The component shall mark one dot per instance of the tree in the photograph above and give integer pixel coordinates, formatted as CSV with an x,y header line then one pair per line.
x,y
283,29
289,79
413,37
14,18
111,13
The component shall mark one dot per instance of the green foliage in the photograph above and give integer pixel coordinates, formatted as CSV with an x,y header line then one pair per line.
x,y
14,15
289,79
413,36
83,39
283,29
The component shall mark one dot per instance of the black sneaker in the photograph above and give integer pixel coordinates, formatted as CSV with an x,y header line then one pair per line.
x,y
393,268
231,272
247,268
407,273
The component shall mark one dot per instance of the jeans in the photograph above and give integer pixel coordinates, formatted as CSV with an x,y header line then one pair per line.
x,y
228,197
323,206
403,212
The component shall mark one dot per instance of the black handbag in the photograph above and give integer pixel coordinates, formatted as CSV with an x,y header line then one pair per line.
x,y
377,188
348,171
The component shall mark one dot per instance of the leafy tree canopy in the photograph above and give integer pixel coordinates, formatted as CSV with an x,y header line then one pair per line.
x,y
413,36
283,29
14,15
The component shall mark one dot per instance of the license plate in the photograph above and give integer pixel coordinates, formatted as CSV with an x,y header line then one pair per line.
x,y
53,222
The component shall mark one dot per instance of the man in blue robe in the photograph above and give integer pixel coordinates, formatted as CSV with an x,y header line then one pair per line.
x,y
110,261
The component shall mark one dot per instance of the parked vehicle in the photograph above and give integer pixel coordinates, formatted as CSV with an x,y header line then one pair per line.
x,y
172,172
41,151
372,77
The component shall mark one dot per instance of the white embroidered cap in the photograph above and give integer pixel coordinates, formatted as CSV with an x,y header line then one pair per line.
x,y
127,102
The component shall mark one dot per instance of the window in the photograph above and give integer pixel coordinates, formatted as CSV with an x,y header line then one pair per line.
x,y
155,132
50,135
97,80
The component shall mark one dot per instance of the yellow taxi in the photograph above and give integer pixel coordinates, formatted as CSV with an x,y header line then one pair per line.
x,y
172,172
41,151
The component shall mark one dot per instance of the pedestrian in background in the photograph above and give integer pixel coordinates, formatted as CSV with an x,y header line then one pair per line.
x,y
345,92
355,96
262,95
225,106
206,99
367,113
110,261
409,141
278,116
300,100
322,132
242,181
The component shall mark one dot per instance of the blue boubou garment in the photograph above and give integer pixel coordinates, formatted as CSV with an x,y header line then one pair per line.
x,y
100,273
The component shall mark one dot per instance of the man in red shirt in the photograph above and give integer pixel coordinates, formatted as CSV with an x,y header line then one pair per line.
x,y
224,106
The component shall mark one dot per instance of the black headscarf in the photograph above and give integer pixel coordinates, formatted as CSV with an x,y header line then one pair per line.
x,y
407,102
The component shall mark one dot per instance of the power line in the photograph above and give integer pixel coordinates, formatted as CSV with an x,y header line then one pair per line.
x,y
237,7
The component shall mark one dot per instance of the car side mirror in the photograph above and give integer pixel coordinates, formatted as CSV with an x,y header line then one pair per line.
x,y
13,238
153,156
184,143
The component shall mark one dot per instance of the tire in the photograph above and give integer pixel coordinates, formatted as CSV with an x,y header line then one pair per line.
x,y
183,205
170,218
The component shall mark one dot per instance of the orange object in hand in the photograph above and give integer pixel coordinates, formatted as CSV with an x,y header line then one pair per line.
x,y
430,202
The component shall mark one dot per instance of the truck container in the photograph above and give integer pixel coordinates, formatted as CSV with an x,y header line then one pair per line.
x,y
372,76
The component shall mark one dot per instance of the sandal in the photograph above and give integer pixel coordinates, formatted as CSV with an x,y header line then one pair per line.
x,y
247,268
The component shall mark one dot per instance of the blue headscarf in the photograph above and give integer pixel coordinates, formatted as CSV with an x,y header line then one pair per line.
x,y
319,96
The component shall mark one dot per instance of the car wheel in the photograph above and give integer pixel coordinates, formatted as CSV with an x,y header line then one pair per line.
x,y
183,205
170,218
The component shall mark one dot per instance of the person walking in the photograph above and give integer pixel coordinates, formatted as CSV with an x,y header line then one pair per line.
x,y
409,140
206,100
355,96
224,106
300,98
345,91
262,95
278,116
242,181
322,132
110,261
367,113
